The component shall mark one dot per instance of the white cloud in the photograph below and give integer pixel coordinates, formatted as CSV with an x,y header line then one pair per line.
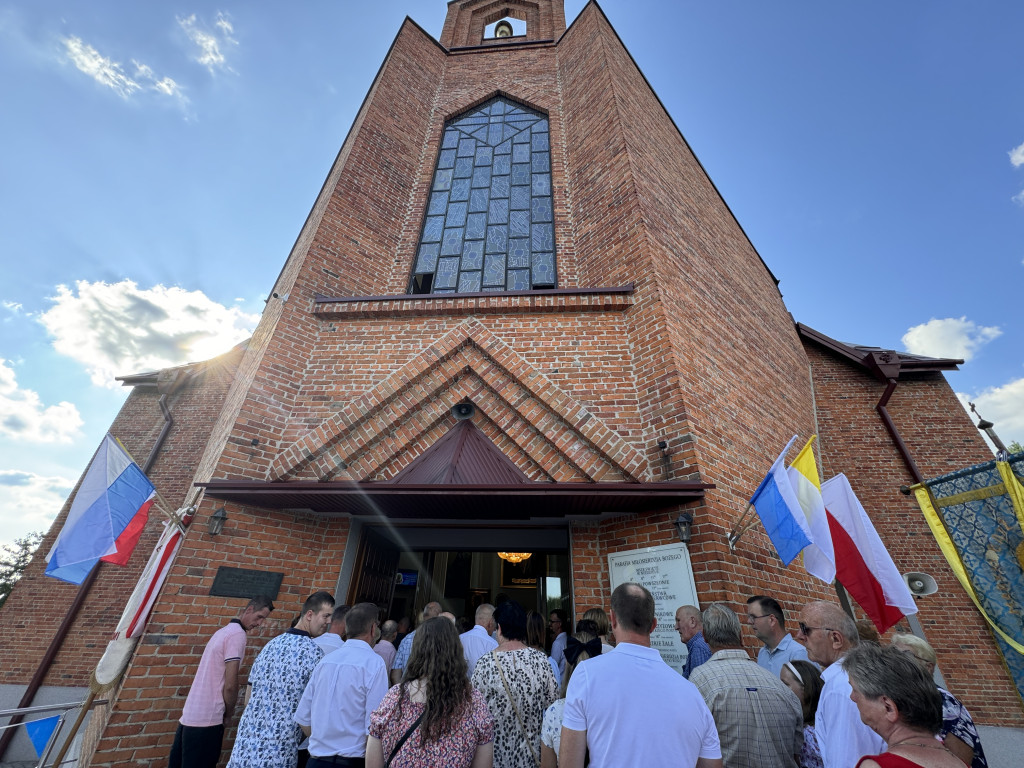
x,y
118,328
29,502
949,337
1003,406
210,44
103,70
162,85
1017,156
24,417
1019,198
111,74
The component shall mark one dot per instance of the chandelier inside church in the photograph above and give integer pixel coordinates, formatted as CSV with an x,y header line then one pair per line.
x,y
515,557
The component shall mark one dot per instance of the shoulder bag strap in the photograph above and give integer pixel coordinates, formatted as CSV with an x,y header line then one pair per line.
x,y
519,718
405,738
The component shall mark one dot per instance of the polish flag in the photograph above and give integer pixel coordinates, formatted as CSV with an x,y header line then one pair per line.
x,y
863,565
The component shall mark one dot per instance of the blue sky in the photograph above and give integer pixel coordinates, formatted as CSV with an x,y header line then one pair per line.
x,y
160,158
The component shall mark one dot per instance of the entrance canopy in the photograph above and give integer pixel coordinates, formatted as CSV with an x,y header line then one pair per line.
x,y
507,501
463,476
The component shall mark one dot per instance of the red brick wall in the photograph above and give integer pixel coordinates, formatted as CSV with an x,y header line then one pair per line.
x,y
720,371
40,601
465,22
703,355
940,438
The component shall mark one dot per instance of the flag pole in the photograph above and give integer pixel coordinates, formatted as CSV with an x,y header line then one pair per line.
x,y
738,529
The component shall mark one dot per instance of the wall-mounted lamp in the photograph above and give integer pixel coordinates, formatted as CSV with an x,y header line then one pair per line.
x,y
216,524
684,524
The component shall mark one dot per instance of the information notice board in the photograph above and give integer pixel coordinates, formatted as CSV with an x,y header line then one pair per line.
x,y
667,573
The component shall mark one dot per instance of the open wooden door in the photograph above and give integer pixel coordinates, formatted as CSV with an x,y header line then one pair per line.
x,y
376,570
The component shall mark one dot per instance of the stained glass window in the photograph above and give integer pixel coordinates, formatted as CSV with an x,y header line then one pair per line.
x,y
489,219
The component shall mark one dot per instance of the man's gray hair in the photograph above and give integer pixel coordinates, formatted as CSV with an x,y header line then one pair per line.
x,y
837,620
722,627
484,612
389,630
918,646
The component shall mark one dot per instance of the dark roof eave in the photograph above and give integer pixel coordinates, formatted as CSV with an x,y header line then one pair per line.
x,y
511,500
870,359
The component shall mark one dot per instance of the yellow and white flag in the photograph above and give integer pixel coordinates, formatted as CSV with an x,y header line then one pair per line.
x,y
819,557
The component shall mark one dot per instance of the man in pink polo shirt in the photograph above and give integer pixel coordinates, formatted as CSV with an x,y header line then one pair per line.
x,y
214,692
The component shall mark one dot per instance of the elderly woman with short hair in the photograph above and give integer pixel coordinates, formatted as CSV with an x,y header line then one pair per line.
x,y
897,699
958,730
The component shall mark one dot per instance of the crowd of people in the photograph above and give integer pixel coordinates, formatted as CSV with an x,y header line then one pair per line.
x,y
335,690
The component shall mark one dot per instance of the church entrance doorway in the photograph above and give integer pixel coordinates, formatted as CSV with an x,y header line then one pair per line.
x,y
401,569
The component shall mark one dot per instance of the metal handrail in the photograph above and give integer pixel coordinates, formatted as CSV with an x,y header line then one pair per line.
x,y
62,708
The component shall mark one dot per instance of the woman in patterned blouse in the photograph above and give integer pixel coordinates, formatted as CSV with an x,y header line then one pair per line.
x,y
519,685
456,728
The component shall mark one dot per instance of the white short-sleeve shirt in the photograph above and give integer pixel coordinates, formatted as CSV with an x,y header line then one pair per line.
x,y
842,736
637,710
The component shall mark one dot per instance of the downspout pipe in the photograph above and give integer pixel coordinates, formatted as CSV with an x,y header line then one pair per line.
x,y
83,591
168,423
901,447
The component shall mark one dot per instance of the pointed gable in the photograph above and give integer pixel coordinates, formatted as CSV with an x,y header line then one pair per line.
x,y
464,455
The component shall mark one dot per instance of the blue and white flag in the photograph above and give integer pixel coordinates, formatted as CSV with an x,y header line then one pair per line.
x,y
777,505
106,517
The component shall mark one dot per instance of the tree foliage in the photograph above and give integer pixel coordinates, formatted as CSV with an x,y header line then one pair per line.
x,y
1014,447
13,560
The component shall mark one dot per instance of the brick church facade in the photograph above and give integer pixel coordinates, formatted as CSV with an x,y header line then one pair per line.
x,y
514,232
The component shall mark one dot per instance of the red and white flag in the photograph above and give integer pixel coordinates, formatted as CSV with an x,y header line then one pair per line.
x,y
863,564
136,612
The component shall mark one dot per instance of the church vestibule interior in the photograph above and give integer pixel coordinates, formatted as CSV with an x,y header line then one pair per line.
x,y
403,569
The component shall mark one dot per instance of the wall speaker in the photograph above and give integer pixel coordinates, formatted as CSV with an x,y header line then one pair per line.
x,y
920,584
463,411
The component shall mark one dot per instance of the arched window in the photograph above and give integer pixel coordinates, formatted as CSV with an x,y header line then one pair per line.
x,y
489,224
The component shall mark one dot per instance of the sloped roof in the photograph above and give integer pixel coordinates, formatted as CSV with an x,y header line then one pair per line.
x,y
463,456
176,372
882,363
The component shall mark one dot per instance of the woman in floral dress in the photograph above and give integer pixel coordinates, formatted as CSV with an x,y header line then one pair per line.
x,y
447,721
518,684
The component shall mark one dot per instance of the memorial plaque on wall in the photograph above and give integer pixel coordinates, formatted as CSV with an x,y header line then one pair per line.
x,y
242,582
666,572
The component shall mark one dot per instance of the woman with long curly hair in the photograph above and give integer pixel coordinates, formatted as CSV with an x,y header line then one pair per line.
x,y
433,717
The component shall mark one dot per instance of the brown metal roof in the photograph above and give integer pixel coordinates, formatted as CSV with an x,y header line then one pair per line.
x,y
882,363
507,501
463,456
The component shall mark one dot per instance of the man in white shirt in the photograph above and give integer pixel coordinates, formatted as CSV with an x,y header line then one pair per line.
x,y
556,621
478,641
344,689
629,707
765,616
842,737
334,637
